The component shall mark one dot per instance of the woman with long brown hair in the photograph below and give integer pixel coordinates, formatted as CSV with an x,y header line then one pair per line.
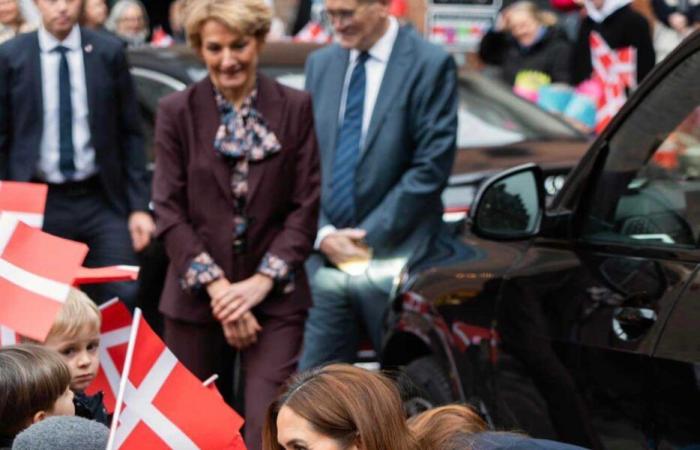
x,y
338,407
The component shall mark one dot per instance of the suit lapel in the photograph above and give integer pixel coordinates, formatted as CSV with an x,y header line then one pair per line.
x,y
335,79
392,83
270,104
207,120
92,70
37,80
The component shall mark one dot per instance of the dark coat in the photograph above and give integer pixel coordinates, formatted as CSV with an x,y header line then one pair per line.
x,y
623,28
193,198
550,55
115,130
92,407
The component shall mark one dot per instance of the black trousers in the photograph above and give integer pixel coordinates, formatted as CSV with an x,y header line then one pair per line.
x,y
80,211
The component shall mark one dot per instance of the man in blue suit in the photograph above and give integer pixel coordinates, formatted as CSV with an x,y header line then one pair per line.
x,y
385,106
69,118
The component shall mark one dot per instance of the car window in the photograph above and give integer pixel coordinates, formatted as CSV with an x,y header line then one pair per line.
x,y
491,115
648,192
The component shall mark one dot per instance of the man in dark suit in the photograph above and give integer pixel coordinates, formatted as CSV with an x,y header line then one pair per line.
x,y
385,106
68,118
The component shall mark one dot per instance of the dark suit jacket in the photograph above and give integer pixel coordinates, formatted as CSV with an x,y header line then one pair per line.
x,y
115,130
194,202
409,147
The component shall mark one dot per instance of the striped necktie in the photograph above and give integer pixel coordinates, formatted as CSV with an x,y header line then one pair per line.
x,y
341,207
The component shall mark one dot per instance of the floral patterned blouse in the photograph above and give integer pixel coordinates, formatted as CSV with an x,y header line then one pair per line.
x,y
242,137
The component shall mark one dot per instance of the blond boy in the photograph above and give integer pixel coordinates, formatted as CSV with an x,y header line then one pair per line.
x,y
75,335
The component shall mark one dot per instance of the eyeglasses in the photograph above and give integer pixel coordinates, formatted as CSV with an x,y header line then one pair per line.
x,y
340,15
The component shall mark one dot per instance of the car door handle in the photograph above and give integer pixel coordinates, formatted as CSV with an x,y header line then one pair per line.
x,y
631,323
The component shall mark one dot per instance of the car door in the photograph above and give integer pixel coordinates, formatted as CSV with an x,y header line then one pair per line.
x,y
586,309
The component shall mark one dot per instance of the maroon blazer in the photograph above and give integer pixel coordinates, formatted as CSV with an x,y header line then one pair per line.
x,y
194,203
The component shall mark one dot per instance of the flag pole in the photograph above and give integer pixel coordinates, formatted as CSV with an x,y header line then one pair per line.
x,y
124,378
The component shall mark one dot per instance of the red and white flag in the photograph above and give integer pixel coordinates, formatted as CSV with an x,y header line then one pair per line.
x,y
615,70
161,405
24,201
93,275
36,271
8,336
114,340
313,32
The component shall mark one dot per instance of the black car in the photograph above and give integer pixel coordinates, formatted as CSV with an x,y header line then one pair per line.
x,y
577,320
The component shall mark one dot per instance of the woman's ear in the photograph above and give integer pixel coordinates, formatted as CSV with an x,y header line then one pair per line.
x,y
39,416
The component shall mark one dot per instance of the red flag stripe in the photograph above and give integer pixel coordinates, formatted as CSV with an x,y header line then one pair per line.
x,y
33,316
23,197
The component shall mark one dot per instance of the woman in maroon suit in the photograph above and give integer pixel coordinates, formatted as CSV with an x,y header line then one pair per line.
x,y
236,192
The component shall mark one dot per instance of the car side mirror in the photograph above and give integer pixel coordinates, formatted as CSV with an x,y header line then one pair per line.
x,y
510,205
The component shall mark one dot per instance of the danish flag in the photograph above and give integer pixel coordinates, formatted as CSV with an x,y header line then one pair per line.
x,y
24,201
114,340
615,70
313,32
161,405
36,271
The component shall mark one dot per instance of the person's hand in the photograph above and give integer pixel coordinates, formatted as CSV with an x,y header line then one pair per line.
x,y
217,287
344,246
230,304
243,332
141,228
678,22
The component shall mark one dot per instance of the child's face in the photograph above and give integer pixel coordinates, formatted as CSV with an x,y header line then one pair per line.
x,y
64,405
81,354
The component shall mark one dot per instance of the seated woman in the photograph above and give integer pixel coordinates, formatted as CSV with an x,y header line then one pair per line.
x,y
338,407
236,194
526,39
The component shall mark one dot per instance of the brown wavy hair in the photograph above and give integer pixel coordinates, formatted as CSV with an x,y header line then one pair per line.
x,y
345,403
32,378
441,428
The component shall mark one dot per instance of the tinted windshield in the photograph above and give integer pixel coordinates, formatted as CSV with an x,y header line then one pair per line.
x,y
490,115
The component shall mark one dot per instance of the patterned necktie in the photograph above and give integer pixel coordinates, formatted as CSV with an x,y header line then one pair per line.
x,y
341,208
65,113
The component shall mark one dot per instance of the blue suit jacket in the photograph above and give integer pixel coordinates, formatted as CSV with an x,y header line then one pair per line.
x,y
409,147
114,117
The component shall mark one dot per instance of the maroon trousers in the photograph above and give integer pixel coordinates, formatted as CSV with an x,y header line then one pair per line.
x,y
266,365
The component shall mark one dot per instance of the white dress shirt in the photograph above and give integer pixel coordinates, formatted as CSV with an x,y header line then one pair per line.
x,y
84,156
375,66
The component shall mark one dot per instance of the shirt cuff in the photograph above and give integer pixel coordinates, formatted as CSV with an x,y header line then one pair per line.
x,y
276,268
321,235
202,271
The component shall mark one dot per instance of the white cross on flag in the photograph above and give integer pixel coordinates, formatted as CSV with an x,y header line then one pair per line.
x,y
114,340
161,405
615,70
36,271
8,336
24,201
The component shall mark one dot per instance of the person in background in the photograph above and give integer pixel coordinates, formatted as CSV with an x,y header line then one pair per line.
x,y
440,428
525,38
34,384
129,21
236,193
69,118
12,21
385,109
94,14
176,19
680,15
336,407
620,27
